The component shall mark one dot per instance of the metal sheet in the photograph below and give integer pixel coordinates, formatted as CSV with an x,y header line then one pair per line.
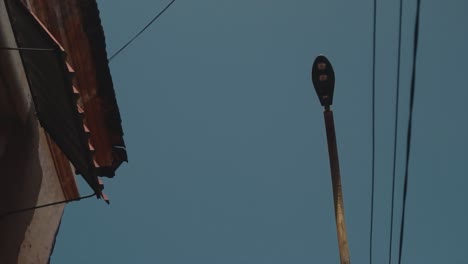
x,y
52,90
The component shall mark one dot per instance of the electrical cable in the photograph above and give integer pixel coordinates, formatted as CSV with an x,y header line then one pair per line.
x,y
141,31
17,211
410,121
26,49
373,132
395,133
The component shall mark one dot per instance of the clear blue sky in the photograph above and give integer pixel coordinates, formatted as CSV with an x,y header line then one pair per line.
x,y
226,141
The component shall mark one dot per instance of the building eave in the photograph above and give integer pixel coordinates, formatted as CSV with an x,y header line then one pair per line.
x,y
77,26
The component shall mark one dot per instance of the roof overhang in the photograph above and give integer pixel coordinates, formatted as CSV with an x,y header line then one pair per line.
x,y
51,85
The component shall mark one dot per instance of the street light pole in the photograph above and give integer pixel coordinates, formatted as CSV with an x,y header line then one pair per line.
x,y
323,78
336,182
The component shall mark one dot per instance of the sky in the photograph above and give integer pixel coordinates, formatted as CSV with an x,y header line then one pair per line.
x,y
227,149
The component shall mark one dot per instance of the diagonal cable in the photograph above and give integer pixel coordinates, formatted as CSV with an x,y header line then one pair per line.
x,y
141,31
17,211
373,133
395,133
410,121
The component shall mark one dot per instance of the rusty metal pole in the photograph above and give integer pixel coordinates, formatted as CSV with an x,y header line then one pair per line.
x,y
336,182
323,78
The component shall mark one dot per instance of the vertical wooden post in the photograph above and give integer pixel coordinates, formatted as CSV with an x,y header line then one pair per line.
x,y
336,182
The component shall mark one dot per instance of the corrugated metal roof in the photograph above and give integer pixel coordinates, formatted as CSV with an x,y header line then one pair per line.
x,y
52,90
77,26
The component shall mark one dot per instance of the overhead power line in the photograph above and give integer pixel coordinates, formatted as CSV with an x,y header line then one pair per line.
x,y
17,211
410,122
373,133
26,49
395,133
141,31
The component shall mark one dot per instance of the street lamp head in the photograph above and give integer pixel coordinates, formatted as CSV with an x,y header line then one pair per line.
x,y
323,78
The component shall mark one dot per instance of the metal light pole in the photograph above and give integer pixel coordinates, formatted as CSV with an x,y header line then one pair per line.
x,y
323,78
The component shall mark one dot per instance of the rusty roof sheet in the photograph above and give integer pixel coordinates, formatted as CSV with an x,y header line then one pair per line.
x,y
76,24
52,90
